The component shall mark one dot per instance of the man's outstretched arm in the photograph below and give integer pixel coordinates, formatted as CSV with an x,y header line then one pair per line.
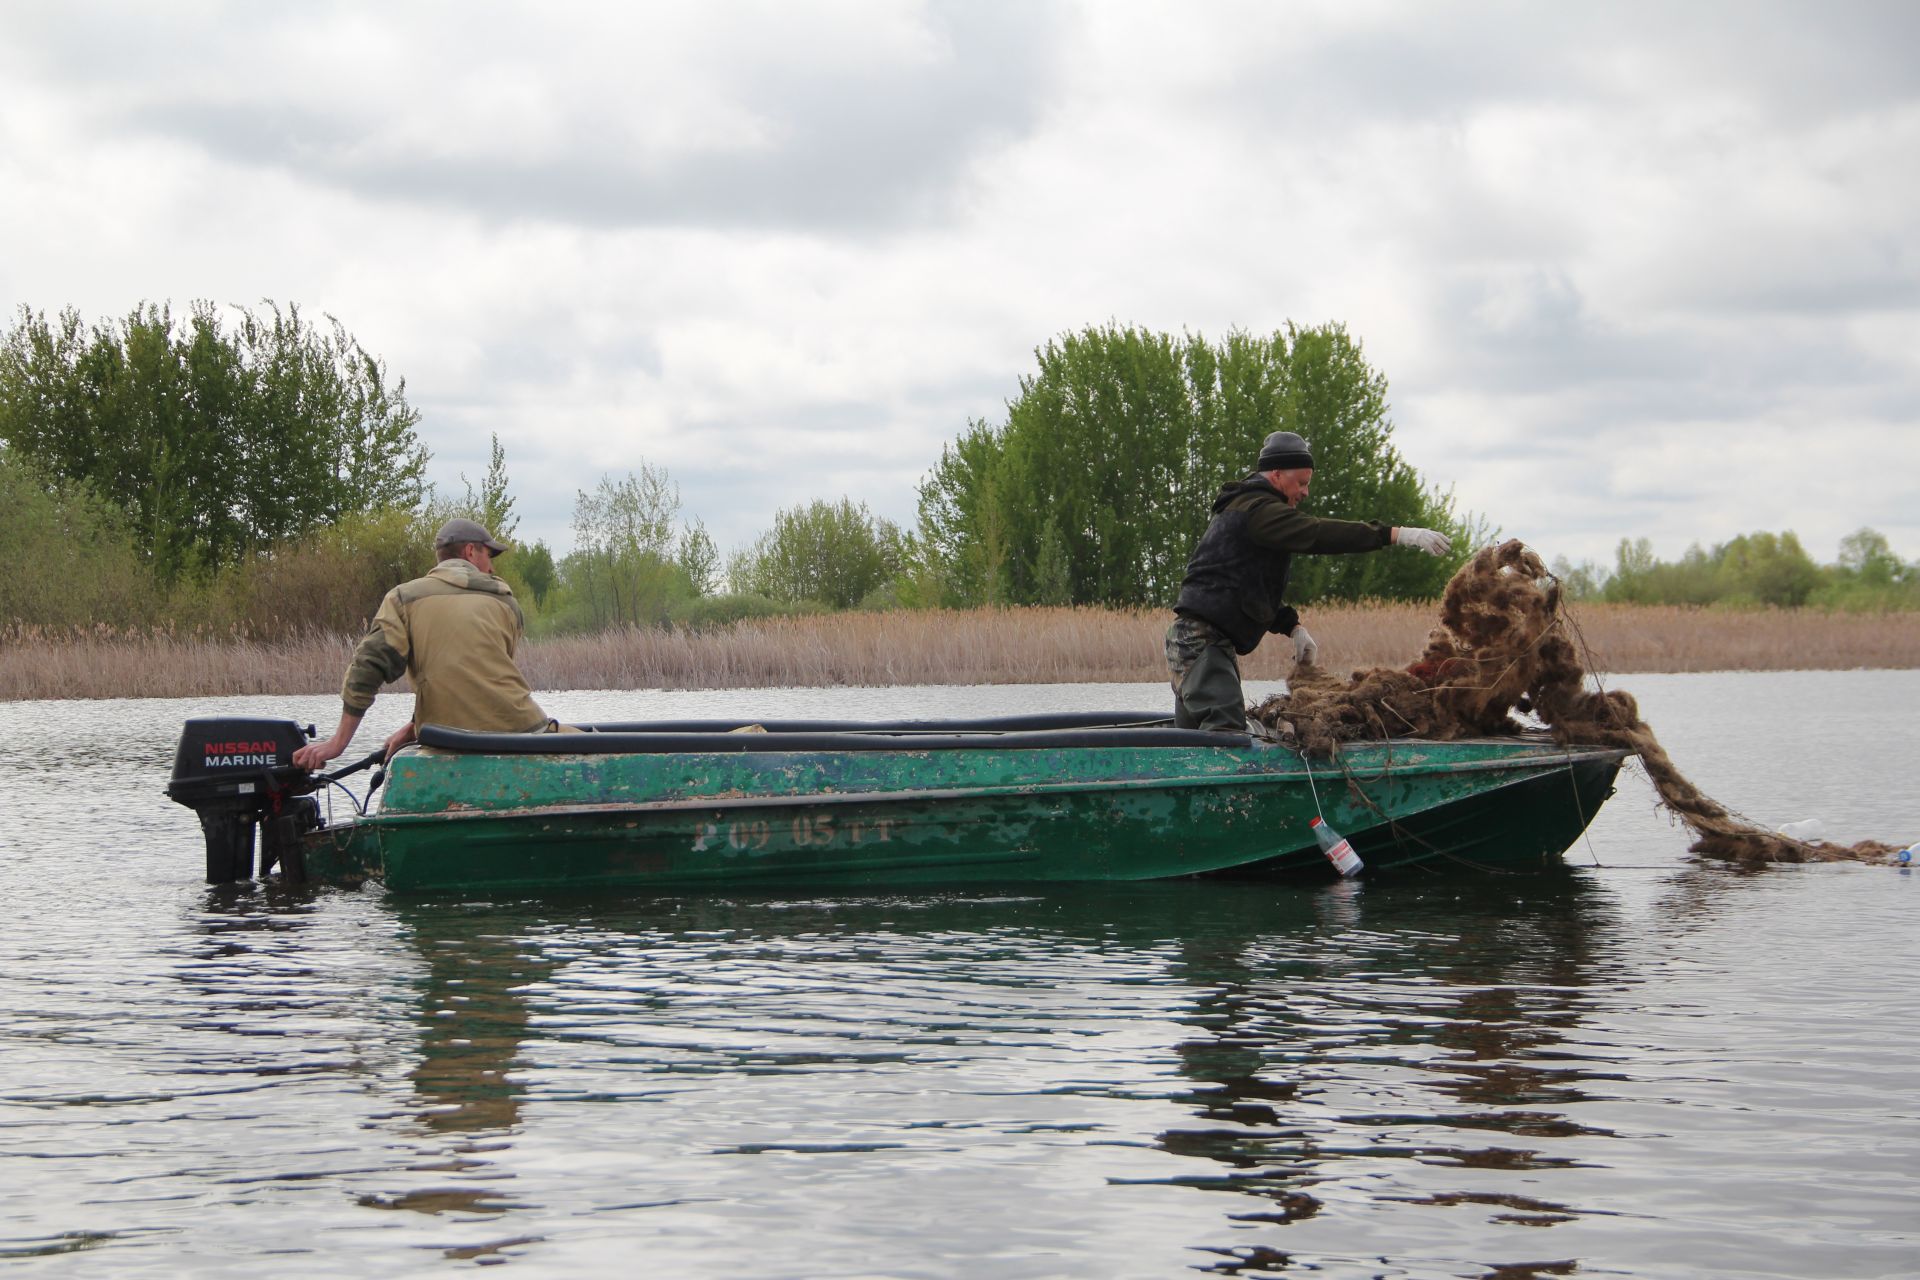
x,y
376,661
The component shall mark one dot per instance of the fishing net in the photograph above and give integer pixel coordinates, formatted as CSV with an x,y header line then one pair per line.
x,y
1503,646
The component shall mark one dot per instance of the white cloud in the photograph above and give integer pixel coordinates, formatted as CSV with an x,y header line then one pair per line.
x,y
1619,263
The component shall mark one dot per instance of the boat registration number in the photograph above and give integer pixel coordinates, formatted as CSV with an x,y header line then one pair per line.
x,y
803,831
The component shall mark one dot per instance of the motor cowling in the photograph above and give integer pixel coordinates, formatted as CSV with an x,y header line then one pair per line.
x,y
237,774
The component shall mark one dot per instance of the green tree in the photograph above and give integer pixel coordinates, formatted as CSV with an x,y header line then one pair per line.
x,y
698,558
1766,568
214,443
622,570
1641,578
1869,576
492,505
921,581
1052,571
1633,565
835,553
1120,442
535,564
1583,581
1867,559
962,535
69,554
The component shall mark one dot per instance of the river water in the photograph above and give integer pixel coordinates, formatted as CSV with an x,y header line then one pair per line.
x,y
1643,1067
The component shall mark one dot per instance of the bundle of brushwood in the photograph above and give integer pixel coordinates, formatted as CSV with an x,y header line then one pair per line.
x,y
1504,646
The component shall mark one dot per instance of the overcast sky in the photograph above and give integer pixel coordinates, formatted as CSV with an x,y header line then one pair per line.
x,y
1631,270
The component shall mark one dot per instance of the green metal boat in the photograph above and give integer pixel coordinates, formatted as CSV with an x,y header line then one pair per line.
x,y
853,805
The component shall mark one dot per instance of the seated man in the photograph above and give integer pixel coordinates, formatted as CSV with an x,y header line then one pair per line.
x,y
1233,592
453,632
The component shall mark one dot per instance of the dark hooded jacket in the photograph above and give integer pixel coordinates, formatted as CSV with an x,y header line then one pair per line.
x,y
1238,574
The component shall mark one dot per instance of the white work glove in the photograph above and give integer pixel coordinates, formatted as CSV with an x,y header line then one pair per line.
x,y
1434,544
1305,651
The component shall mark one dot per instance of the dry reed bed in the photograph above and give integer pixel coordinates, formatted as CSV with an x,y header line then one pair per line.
x,y
985,646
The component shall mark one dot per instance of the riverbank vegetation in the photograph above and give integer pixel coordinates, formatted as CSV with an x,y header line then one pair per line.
x,y
1035,645
217,502
1754,569
264,478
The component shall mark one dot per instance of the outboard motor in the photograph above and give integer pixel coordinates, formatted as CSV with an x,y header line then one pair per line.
x,y
238,774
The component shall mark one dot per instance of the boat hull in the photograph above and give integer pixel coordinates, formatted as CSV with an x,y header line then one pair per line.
x,y
463,821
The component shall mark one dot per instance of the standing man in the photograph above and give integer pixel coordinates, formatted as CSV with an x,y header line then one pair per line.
x,y
1231,596
454,632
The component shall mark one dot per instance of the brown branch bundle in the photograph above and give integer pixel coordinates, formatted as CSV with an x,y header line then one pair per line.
x,y
1503,645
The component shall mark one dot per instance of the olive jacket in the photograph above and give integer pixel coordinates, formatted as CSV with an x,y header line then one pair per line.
x,y
454,633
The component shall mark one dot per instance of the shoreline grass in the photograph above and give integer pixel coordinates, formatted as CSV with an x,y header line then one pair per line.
x,y
979,646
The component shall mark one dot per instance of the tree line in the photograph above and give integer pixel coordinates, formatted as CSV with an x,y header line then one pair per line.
x,y
210,440
1764,570
253,472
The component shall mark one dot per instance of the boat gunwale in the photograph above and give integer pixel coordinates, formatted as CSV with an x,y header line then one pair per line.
x,y
1537,762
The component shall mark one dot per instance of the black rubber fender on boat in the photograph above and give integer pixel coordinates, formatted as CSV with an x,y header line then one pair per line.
x,y
988,724
672,740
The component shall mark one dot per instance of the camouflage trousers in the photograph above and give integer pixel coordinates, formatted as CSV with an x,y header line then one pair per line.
x,y
1206,677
